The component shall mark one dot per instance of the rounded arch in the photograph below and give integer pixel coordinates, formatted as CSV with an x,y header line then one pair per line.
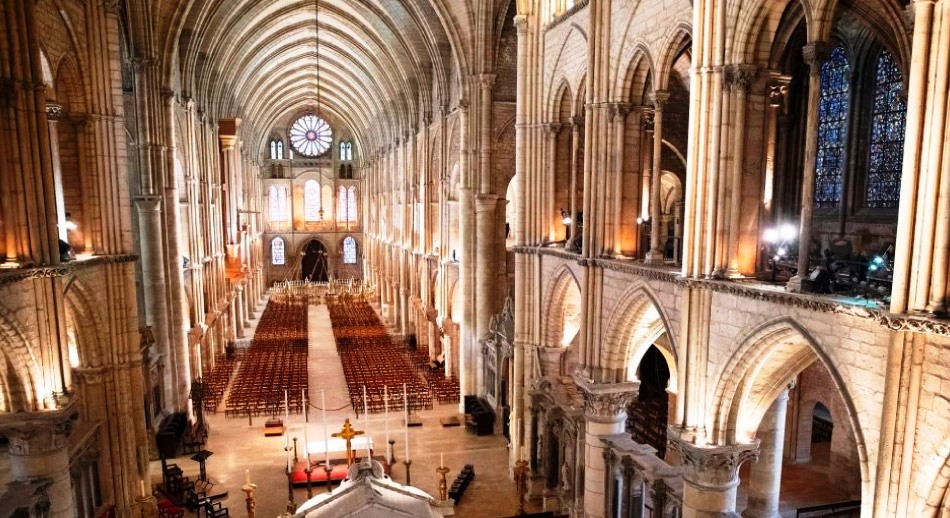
x,y
769,357
637,323
564,290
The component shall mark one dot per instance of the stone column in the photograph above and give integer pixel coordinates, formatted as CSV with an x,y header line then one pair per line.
x,y
576,198
39,451
711,477
655,255
765,475
485,269
815,54
605,412
239,311
155,294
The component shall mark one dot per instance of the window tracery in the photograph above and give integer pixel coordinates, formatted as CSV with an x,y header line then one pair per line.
x,y
311,203
886,149
832,129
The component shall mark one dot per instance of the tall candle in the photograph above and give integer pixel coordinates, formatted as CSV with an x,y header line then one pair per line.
x,y
326,443
247,477
286,421
405,403
289,461
366,421
142,487
386,413
303,397
441,459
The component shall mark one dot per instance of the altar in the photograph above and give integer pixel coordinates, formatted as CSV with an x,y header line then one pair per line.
x,y
335,450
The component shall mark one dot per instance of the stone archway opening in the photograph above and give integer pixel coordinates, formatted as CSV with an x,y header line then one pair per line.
x,y
313,264
648,415
773,387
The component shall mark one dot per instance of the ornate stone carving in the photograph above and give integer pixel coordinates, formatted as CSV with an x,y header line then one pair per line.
x,y
54,111
660,97
45,272
713,466
816,53
605,402
647,118
777,92
740,76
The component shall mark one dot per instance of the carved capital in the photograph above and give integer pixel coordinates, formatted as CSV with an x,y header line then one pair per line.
x,y
111,6
739,77
54,111
647,118
38,433
816,53
141,64
606,402
713,466
550,128
619,111
659,99
486,80
521,25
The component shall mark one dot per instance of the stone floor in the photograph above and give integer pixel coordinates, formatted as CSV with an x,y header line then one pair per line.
x,y
238,445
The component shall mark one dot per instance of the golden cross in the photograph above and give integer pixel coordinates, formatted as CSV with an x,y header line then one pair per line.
x,y
347,434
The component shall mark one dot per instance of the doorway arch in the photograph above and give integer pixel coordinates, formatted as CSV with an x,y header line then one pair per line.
x,y
313,264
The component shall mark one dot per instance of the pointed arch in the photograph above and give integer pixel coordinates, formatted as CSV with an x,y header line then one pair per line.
x,y
769,357
637,323
679,41
564,290
22,391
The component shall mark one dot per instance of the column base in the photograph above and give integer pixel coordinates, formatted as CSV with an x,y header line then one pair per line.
x,y
799,284
654,258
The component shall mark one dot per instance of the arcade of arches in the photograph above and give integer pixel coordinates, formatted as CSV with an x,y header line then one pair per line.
x,y
693,255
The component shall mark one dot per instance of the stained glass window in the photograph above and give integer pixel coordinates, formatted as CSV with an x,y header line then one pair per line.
x,y
351,204
280,150
341,204
832,129
311,200
277,251
346,151
349,250
887,136
310,135
273,150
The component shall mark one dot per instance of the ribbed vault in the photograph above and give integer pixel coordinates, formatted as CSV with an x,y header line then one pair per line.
x,y
383,63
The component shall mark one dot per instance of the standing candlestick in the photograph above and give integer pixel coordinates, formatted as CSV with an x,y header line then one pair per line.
x,y
443,485
366,422
408,463
251,505
386,416
291,507
286,421
392,453
405,403
303,402
326,443
306,439
328,471
296,459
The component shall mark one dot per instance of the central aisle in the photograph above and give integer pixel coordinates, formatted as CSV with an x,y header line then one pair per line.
x,y
239,445
324,370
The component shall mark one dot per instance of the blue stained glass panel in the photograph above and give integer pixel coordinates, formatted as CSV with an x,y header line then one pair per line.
x,y
886,151
832,129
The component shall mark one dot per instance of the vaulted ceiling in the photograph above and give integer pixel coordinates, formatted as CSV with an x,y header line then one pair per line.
x,y
379,60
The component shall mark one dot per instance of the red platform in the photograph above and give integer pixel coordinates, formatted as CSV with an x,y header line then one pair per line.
x,y
319,475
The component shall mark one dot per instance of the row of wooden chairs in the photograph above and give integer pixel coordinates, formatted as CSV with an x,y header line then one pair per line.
x,y
216,381
371,360
275,364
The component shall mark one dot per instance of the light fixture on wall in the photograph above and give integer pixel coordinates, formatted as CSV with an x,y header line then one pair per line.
x,y
779,240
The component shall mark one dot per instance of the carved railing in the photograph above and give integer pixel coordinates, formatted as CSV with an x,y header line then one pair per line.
x,y
650,488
